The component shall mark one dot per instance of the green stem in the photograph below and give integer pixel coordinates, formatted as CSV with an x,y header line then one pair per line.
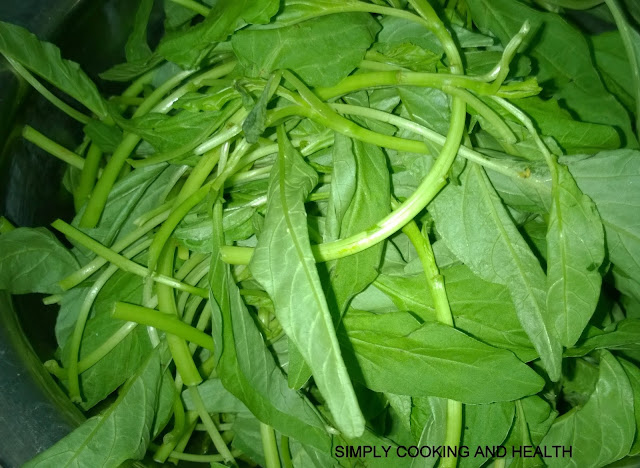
x,y
187,369
87,176
52,299
193,192
162,321
453,433
194,277
96,355
181,424
249,176
126,101
196,458
178,213
392,223
218,442
385,79
90,268
121,262
98,198
334,121
287,461
193,198
138,84
504,133
269,446
435,283
186,435
51,147
48,95
198,175
188,266
194,6
223,427
219,139
499,463
73,369
428,134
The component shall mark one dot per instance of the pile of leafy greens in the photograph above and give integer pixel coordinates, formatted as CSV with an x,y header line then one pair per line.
x,y
311,224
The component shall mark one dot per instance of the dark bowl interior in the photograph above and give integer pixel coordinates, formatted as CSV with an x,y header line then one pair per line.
x,y
34,412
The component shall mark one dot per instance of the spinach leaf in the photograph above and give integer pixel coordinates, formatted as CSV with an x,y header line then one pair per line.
x,y
105,376
189,47
130,70
166,133
246,367
107,137
116,220
573,136
633,373
33,260
575,252
631,40
393,352
602,431
569,70
43,59
613,65
485,426
397,31
600,178
216,398
427,106
296,292
481,309
622,335
474,224
136,47
121,433
311,49
359,194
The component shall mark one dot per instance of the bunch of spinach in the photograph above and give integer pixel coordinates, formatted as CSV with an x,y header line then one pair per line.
x,y
317,223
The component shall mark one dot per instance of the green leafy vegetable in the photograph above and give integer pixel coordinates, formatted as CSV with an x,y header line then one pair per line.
x,y
310,49
575,251
33,260
336,233
120,433
308,323
611,405
43,59
486,228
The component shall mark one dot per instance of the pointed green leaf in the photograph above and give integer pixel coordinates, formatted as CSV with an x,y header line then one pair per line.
x,y
43,59
313,49
120,433
247,368
284,264
33,260
602,431
478,229
575,252
394,353
570,69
